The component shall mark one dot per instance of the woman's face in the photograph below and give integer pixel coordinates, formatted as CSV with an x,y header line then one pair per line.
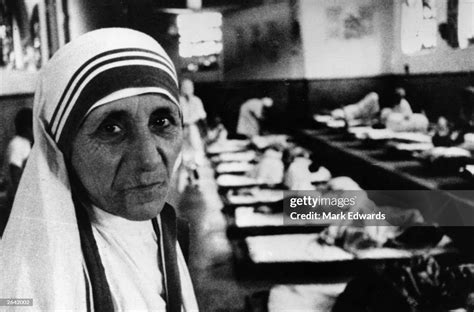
x,y
124,155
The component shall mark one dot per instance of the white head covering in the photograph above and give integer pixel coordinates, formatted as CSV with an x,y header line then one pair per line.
x,y
40,255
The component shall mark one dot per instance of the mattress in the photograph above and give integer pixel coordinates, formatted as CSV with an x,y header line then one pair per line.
x,y
413,147
234,167
254,196
416,137
383,253
375,134
336,124
239,156
292,248
359,130
262,142
322,118
304,298
231,180
306,248
227,146
247,217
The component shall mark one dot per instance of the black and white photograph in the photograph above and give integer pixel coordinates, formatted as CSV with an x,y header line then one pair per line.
x,y
237,155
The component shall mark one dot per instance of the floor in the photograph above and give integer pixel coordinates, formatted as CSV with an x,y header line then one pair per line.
x,y
210,262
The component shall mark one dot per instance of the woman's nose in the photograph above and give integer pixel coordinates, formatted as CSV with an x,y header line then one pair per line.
x,y
146,152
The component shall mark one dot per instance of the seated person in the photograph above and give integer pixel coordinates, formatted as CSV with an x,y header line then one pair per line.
x,y
400,116
251,116
217,132
401,104
445,134
298,174
270,168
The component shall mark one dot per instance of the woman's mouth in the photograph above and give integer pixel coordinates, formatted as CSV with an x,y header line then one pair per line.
x,y
145,193
147,187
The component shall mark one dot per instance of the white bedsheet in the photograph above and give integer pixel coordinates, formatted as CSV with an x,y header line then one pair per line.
x,y
234,167
292,248
304,298
247,217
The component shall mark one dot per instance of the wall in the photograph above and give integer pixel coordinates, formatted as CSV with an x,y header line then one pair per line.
x,y
437,77
441,59
346,38
262,43
87,15
224,100
328,94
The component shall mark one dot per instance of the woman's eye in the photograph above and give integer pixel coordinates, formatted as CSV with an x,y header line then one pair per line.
x,y
161,122
109,131
112,129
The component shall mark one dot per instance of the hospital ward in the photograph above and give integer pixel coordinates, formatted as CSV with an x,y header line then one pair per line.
x,y
237,155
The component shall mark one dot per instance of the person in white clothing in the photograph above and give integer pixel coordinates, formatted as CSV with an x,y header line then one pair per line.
x,y
401,104
195,127
90,229
251,116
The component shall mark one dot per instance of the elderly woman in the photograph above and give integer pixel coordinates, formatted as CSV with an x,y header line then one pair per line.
x,y
90,228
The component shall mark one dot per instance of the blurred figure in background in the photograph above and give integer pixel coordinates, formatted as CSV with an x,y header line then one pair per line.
x,y
298,175
251,115
400,116
270,169
18,150
401,104
195,128
217,131
362,112
194,119
445,133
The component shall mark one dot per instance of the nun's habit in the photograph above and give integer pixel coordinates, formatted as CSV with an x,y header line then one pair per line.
x,y
52,250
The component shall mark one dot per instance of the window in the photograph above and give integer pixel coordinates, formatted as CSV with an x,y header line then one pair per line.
x,y
200,39
466,23
419,25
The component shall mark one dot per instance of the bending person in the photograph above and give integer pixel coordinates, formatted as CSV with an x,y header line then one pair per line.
x,y
251,116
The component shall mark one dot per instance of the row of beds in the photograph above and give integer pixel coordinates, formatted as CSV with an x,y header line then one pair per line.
x,y
302,271
403,146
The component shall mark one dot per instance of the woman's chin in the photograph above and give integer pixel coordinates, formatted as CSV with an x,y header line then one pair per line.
x,y
141,206
143,211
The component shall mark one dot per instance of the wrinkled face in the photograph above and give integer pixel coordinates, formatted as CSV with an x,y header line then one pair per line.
x,y
124,155
187,87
